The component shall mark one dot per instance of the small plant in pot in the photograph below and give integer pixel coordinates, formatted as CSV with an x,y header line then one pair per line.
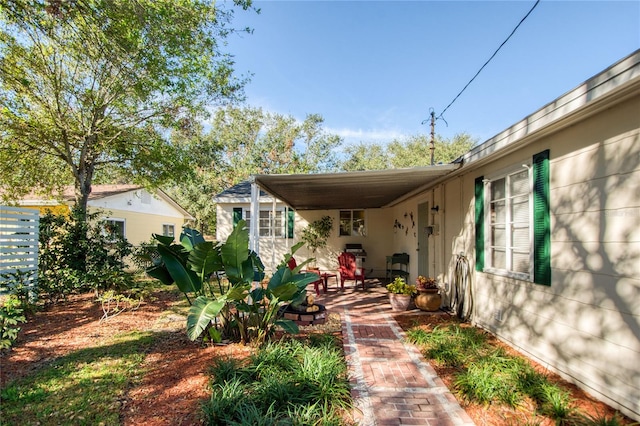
x,y
426,284
428,297
400,294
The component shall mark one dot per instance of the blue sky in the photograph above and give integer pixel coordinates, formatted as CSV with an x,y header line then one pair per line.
x,y
374,69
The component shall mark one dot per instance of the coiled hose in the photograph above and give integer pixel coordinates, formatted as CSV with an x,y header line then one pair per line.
x,y
461,301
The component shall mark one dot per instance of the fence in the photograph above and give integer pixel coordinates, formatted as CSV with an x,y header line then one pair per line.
x,y
19,242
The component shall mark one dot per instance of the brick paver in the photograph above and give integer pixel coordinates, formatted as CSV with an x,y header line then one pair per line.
x,y
392,384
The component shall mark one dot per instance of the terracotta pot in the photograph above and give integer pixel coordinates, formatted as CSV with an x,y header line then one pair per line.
x,y
428,300
399,302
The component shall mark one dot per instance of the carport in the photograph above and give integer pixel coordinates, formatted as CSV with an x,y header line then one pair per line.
x,y
345,190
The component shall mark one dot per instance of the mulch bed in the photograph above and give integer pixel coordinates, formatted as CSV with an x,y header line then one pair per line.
x,y
175,380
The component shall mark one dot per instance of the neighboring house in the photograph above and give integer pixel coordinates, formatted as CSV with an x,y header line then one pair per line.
x,y
129,209
547,214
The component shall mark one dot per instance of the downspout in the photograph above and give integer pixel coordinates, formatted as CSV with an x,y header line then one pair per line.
x,y
254,244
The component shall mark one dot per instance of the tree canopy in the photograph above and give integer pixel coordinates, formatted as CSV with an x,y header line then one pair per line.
x,y
94,85
400,153
242,141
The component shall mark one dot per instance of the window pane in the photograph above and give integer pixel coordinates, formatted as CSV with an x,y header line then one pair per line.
x,y
168,230
498,236
498,189
520,237
358,222
498,212
345,222
115,227
520,209
520,262
499,259
519,183
278,224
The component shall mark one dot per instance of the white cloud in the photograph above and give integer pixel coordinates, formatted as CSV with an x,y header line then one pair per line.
x,y
352,136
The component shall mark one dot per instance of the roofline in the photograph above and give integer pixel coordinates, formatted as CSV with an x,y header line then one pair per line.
x,y
171,201
610,87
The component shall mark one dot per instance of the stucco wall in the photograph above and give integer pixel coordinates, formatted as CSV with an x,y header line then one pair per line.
x,y
586,325
140,226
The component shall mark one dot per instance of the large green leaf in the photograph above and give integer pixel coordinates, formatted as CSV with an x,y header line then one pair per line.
x,y
185,279
285,292
201,313
205,259
161,273
235,252
191,238
288,326
163,239
238,292
284,276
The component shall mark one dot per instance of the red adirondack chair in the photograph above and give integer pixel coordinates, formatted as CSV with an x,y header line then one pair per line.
x,y
349,269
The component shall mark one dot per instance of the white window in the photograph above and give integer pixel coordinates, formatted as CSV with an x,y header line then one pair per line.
x,y
270,224
509,221
352,223
168,230
114,227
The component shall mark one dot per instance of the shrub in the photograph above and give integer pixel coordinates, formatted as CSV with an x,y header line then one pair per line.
x,y
10,315
240,306
79,255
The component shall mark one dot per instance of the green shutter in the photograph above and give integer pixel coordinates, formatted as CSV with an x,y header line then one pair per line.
x,y
290,222
479,193
541,220
237,215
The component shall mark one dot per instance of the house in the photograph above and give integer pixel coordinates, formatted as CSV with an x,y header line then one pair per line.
x,y
132,210
546,215
275,226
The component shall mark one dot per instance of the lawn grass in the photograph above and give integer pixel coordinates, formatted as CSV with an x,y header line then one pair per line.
x,y
82,388
287,382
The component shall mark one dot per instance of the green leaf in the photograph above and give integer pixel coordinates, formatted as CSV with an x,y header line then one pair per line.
x,y
235,252
285,292
201,313
288,326
161,273
185,279
205,259
164,240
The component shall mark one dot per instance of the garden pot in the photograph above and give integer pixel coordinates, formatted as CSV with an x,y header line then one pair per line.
x,y
399,302
428,300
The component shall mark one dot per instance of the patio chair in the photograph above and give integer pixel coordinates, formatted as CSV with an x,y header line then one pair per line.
x,y
292,264
349,269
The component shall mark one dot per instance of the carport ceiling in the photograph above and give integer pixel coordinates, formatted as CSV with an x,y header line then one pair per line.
x,y
351,190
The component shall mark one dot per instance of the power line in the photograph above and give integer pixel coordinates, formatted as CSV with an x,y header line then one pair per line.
x,y
489,60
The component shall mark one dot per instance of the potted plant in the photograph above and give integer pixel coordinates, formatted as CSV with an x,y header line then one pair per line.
x,y
400,294
316,234
428,297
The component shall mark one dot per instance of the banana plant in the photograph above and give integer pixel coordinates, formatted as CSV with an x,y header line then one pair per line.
x,y
243,305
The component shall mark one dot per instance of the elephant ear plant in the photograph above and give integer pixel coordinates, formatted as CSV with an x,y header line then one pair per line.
x,y
223,283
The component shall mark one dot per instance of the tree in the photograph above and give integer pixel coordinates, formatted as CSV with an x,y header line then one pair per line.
x,y
413,151
89,86
246,140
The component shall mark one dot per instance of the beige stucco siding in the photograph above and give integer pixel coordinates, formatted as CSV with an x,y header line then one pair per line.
x,y
139,227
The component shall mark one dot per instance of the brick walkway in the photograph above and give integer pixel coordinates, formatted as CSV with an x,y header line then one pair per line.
x,y
392,384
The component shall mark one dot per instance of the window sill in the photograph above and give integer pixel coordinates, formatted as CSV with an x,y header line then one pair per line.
x,y
508,274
